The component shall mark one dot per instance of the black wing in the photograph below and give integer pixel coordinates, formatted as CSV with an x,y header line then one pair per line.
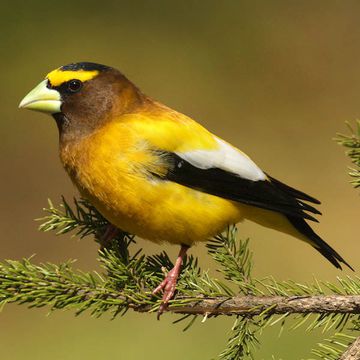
x,y
268,194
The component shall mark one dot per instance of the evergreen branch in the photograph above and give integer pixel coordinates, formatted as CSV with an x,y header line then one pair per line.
x,y
352,143
61,287
128,280
243,340
353,351
235,259
85,219
334,347
257,305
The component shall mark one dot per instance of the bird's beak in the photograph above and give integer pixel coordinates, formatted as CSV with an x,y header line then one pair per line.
x,y
43,99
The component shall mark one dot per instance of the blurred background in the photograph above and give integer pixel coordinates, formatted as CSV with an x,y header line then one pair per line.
x,y
276,78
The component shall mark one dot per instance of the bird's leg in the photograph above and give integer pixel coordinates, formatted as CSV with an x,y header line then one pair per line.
x,y
169,283
105,239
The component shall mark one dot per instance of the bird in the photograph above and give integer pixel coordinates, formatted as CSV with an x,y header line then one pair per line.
x,y
157,173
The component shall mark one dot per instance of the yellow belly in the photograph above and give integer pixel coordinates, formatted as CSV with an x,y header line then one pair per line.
x,y
109,173
163,211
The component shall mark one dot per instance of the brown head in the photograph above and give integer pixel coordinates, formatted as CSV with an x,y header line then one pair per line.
x,y
82,97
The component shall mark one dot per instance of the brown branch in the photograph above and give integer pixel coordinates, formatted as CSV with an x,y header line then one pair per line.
x,y
255,305
352,352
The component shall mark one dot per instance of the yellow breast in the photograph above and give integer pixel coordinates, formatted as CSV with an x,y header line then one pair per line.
x,y
110,168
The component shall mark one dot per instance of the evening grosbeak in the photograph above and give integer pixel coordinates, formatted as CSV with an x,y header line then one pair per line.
x,y
156,173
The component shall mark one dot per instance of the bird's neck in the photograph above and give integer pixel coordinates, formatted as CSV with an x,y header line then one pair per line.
x,y
77,124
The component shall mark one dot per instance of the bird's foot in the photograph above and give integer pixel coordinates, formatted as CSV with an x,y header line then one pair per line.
x,y
110,232
168,285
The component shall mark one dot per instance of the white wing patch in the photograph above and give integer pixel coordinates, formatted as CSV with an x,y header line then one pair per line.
x,y
226,158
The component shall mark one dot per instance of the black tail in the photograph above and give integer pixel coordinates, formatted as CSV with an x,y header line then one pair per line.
x,y
318,243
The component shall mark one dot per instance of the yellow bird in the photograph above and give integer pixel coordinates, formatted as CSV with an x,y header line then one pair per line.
x,y
156,173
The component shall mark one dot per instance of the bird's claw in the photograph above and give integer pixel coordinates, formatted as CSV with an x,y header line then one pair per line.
x,y
168,285
110,233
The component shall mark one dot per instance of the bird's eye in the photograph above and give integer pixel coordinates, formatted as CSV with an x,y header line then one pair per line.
x,y
74,85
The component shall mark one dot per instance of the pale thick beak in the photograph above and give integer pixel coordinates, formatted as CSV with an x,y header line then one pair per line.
x,y
43,99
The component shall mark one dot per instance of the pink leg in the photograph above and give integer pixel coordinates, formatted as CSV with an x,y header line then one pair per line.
x,y
169,283
110,232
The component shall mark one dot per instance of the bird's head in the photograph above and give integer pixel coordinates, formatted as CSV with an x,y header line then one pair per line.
x,y
82,96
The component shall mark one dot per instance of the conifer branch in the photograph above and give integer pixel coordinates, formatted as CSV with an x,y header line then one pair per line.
x,y
353,351
59,286
352,143
256,305
335,347
128,279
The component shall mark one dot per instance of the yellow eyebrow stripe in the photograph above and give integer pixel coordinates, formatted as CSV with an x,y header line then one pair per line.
x,y
58,76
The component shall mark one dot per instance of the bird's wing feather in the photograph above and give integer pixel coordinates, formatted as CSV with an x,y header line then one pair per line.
x,y
224,157
193,157
227,173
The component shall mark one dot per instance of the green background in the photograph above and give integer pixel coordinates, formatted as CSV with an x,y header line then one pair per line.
x,y
275,78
